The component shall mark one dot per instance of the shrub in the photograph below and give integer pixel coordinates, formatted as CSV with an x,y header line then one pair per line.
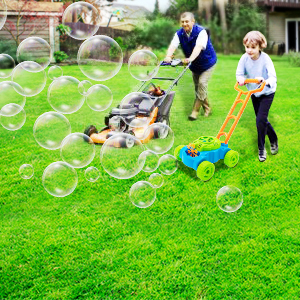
x,y
294,58
113,51
60,56
9,47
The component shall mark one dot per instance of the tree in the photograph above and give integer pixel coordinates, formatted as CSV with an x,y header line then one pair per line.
x,y
27,21
156,8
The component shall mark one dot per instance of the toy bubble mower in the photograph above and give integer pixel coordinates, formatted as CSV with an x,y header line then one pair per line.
x,y
202,153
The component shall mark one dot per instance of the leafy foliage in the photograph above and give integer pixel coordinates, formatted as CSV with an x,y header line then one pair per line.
x,y
60,56
294,58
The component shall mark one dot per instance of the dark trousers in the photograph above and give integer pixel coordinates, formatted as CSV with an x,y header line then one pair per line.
x,y
261,107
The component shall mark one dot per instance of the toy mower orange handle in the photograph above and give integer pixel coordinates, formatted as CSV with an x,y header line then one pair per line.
x,y
236,87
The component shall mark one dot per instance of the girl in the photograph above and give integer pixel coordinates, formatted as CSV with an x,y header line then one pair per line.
x,y
257,64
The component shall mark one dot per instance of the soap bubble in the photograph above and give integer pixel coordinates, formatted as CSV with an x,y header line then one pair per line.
x,y
26,171
78,150
92,174
7,64
137,103
63,95
14,117
34,49
83,87
3,13
121,157
142,194
55,72
31,77
229,198
156,180
50,129
143,65
8,95
100,58
99,97
117,123
159,138
59,179
83,19
151,161
168,164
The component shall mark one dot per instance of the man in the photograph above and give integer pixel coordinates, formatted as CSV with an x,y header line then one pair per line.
x,y
198,50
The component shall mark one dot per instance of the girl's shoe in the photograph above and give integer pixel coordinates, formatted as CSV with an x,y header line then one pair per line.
x,y
274,148
262,155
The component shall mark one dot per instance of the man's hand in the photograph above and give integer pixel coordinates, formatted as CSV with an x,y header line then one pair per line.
x,y
261,79
168,59
186,61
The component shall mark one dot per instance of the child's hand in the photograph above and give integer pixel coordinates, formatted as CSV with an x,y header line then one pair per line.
x,y
268,83
261,79
241,81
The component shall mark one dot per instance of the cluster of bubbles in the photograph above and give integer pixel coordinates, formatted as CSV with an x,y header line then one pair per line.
x,y
123,155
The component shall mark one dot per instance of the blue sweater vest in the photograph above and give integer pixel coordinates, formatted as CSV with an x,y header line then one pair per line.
x,y
207,57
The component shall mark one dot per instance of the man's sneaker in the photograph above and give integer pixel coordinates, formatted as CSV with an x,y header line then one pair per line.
x,y
262,155
274,148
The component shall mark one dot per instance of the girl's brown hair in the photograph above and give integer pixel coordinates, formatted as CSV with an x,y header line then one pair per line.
x,y
256,38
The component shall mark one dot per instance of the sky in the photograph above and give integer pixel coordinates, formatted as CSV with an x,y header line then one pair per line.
x,y
149,4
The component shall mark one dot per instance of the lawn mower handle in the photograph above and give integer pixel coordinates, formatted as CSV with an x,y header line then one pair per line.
x,y
259,89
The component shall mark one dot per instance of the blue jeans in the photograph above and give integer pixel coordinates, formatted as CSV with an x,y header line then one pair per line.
x,y
261,107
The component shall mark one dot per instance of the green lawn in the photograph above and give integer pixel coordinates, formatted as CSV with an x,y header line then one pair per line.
x,y
94,244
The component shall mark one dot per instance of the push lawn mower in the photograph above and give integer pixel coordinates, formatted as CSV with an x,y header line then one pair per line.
x,y
202,153
139,108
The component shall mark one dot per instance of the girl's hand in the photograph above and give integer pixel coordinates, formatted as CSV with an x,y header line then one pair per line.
x,y
261,79
241,81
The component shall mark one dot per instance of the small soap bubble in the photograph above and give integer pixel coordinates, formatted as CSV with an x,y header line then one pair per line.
x,y
99,97
156,180
60,179
83,87
78,150
3,13
168,164
229,198
7,64
143,65
55,72
34,49
13,118
83,19
100,58
142,194
92,174
26,171
151,161
160,136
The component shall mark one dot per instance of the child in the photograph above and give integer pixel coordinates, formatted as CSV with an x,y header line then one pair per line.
x,y
257,64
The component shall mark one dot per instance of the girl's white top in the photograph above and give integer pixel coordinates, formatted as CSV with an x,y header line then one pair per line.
x,y
262,67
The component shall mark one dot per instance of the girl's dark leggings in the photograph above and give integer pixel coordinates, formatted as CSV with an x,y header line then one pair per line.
x,y
261,107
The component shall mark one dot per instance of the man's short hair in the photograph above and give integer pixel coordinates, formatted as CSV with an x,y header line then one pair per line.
x,y
187,15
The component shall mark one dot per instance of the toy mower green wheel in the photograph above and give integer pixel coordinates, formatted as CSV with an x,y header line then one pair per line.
x,y
205,170
177,151
231,158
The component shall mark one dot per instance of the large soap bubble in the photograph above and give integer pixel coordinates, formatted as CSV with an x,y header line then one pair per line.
x,y
99,97
159,138
63,95
55,72
142,194
3,13
7,64
83,19
26,171
78,150
229,198
8,95
143,65
59,179
34,49
13,118
100,58
168,164
31,77
50,129
134,104
121,157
